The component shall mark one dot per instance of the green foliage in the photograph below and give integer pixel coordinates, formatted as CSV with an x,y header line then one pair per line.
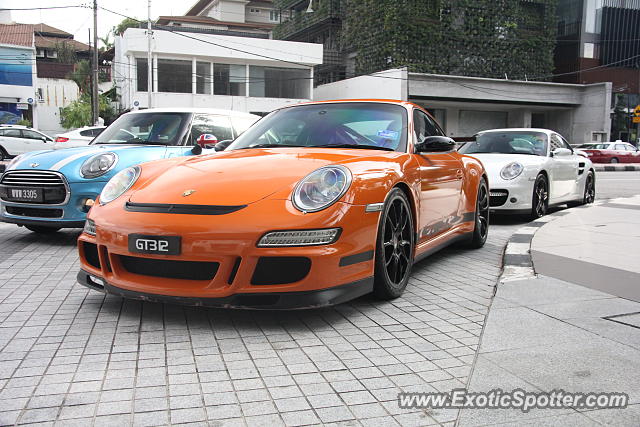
x,y
24,122
482,38
81,75
78,113
119,29
106,41
66,53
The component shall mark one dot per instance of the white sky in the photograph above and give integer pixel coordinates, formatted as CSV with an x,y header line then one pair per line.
x,y
77,20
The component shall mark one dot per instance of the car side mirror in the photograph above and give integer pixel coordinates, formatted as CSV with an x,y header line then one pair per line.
x,y
561,152
220,146
207,140
435,144
196,150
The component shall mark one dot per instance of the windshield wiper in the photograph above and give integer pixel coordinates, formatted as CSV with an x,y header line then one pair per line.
x,y
270,146
363,147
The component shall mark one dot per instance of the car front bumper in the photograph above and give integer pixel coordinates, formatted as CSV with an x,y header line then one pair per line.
x,y
283,277
511,196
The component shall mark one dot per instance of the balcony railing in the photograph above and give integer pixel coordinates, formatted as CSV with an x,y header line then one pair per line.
x,y
300,20
53,70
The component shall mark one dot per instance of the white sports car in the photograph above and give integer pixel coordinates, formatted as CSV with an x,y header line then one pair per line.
x,y
532,169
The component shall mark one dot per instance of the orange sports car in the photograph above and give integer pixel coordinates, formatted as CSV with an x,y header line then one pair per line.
x,y
314,205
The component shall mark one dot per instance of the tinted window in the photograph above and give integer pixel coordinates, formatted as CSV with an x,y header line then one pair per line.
x,y
13,133
331,124
88,132
508,142
219,126
424,126
146,128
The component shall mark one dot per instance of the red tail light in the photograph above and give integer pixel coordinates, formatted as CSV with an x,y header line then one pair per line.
x,y
61,139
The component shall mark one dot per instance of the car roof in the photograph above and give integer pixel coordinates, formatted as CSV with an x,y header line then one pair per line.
x,y
338,101
519,130
194,110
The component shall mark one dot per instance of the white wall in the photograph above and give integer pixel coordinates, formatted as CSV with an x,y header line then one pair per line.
x,y
390,84
208,48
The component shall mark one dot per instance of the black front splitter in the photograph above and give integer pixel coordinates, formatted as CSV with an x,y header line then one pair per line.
x,y
257,301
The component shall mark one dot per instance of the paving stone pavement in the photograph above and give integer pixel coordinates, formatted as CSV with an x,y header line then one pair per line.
x,y
71,356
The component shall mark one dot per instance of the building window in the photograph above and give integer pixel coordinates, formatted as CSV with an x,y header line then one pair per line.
x,y
174,76
40,53
51,53
272,82
274,15
254,10
141,74
229,79
203,77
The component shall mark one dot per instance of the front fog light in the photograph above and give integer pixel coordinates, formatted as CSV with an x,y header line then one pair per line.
x,y
90,227
299,238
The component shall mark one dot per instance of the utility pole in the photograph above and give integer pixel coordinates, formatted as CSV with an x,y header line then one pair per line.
x,y
91,76
94,87
149,58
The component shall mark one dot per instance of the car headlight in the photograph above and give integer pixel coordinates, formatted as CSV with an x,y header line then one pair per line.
x,y
14,161
511,171
321,188
98,165
120,183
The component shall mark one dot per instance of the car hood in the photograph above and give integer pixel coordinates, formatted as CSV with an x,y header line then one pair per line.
x,y
69,160
494,162
238,177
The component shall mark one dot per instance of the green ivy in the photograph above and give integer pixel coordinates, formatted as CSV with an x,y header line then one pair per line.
x,y
482,38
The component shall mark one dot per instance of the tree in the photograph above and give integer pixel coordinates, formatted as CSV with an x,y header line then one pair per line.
x,y
106,41
65,53
119,29
78,113
81,75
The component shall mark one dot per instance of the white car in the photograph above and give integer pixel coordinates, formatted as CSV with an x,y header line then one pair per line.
x,y
77,138
532,169
16,140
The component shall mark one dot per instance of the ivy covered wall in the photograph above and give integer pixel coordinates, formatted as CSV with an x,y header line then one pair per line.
x,y
483,38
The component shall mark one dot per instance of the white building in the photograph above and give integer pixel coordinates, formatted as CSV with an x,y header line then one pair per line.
x,y
466,105
210,70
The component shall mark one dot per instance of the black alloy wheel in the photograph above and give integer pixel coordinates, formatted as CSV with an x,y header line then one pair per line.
x,y
590,189
540,200
394,247
481,230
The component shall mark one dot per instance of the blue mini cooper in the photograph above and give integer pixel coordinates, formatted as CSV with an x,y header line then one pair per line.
x,y
49,190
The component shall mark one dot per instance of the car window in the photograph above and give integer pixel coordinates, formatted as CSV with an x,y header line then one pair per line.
x,y
87,132
241,124
152,128
12,133
631,148
619,147
565,143
424,126
97,131
556,142
345,124
508,142
218,126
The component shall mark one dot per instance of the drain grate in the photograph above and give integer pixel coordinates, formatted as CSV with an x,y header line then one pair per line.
x,y
629,319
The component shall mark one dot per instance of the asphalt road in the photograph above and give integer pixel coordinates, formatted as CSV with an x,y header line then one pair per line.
x,y
610,185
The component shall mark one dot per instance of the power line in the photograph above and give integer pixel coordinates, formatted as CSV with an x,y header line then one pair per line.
x,y
42,8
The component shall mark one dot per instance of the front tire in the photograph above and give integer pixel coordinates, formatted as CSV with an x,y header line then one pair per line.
x,y
615,160
3,154
540,199
395,247
481,229
41,229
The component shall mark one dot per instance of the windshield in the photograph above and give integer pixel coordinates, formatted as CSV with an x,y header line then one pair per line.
x,y
146,128
508,142
594,146
347,125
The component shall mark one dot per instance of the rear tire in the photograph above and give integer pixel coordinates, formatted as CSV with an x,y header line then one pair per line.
x,y
41,229
481,229
615,160
540,199
395,247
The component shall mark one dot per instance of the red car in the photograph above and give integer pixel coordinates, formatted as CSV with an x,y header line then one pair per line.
x,y
611,152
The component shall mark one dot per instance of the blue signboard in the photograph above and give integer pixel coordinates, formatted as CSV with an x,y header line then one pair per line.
x,y
16,66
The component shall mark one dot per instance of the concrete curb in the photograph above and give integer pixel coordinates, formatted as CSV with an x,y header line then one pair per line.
x,y
516,260
616,167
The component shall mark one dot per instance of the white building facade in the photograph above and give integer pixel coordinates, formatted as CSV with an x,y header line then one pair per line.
x,y
246,74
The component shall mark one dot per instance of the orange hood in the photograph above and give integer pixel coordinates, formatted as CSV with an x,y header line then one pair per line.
x,y
237,177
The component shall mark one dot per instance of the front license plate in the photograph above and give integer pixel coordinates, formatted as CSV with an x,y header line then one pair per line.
x,y
158,245
25,194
